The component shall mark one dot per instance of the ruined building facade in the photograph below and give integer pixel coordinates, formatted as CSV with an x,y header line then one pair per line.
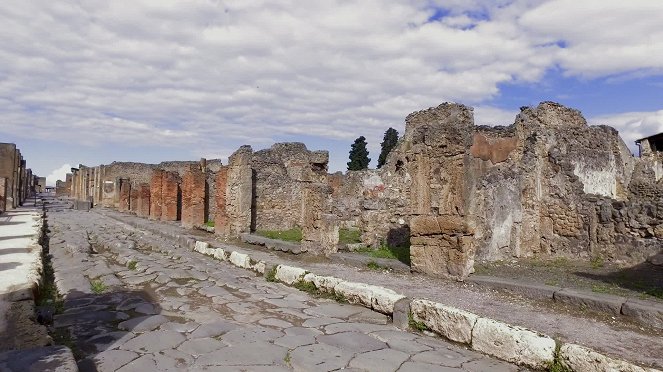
x,y
17,182
548,185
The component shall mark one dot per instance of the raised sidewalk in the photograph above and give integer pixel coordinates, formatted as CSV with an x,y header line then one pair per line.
x,y
24,343
464,312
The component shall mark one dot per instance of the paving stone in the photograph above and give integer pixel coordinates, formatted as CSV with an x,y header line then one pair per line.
x,y
213,291
356,327
213,329
319,357
66,320
334,310
485,364
319,322
143,323
272,322
179,327
50,358
152,342
425,367
379,360
368,316
255,353
448,358
251,334
352,341
108,361
107,341
200,346
146,308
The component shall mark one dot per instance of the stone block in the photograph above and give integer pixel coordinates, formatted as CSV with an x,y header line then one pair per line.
x,y
383,299
220,254
289,274
453,324
649,313
355,293
580,358
125,196
513,344
424,225
538,291
600,302
401,313
201,247
240,260
326,283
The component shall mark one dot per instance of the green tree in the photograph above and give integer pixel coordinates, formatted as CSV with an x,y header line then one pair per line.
x,y
389,141
359,155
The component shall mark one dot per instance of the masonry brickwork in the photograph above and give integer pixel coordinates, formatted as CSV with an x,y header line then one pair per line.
x,y
19,182
547,185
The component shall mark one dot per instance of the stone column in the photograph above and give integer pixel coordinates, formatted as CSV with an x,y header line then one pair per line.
x,y
143,208
156,194
193,197
239,192
170,190
320,229
442,246
221,214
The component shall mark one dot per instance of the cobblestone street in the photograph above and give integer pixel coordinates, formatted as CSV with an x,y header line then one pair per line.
x,y
134,301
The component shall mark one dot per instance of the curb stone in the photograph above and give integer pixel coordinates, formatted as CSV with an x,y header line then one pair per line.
x,y
646,312
451,323
506,342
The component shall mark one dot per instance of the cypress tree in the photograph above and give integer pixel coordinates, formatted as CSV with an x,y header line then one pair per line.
x,y
388,143
359,155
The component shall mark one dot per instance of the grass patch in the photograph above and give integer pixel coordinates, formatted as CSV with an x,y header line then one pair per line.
x,y
419,326
375,266
270,275
311,289
293,235
597,262
556,365
131,265
655,292
349,236
286,359
400,253
97,286
209,223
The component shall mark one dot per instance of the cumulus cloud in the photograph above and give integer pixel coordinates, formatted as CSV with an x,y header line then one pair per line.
x,y
58,174
632,125
212,75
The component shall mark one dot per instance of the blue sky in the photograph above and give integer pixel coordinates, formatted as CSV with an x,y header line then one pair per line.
x,y
153,80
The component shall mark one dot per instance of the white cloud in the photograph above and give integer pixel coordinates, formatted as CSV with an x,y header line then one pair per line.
x,y
632,125
58,174
212,75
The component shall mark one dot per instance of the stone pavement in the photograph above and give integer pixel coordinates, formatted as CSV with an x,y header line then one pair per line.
x,y
610,335
137,301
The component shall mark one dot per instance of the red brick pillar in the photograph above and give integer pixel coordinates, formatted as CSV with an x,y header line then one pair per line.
x,y
221,215
156,194
143,209
170,190
193,197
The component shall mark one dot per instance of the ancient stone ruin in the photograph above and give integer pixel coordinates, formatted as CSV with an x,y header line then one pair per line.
x,y
17,182
547,185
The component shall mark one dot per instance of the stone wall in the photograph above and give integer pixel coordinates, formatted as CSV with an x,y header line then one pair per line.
x,y
281,173
20,182
3,194
529,189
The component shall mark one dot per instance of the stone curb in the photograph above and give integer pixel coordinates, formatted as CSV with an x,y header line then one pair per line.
x,y
649,313
506,342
